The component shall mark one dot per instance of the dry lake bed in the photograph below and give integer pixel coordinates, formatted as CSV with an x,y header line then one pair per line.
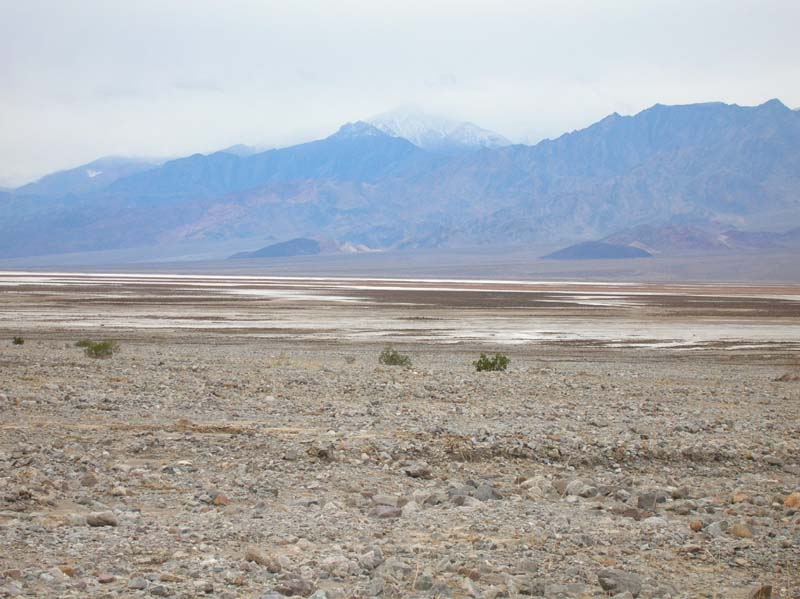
x,y
244,441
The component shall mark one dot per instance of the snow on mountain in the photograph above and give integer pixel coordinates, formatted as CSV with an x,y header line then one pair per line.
x,y
437,133
242,150
359,129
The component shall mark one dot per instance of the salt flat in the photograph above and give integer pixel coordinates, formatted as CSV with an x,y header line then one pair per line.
x,y
396,310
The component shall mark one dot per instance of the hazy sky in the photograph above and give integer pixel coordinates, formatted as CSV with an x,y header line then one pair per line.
x,y
81,79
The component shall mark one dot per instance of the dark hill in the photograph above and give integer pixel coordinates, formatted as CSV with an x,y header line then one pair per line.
x,y
597,250
293,247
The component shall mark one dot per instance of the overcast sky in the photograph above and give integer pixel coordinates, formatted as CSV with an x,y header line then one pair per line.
x,y
80,79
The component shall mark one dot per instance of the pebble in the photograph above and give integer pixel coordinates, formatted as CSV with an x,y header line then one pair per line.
x,y
295,586
387,511
741,531
418,470
271,562
793,500
763,591
160,590
618,581
655,522
101,519
580,489
137,584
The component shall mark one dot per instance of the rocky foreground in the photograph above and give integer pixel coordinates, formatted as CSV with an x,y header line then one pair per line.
x,y
254,469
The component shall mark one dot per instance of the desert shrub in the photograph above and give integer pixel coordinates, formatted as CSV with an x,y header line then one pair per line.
x,y
18,341
391,357
97,349
495,363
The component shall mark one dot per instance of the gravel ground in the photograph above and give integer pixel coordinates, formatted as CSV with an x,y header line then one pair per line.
x,y
192,465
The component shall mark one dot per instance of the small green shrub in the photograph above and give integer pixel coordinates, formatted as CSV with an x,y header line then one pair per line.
x,y
495,363
18,341
97,349
392,357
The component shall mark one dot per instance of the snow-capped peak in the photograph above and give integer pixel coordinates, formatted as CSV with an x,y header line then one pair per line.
x,y
357,129
433,132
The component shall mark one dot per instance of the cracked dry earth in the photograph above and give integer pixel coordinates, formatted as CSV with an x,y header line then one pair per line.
x,y
218,464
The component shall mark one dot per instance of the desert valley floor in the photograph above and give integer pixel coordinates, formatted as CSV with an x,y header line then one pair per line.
x,y
244,441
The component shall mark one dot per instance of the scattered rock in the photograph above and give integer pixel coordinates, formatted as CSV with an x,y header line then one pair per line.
x,y
371,559
741,531
410,508
255,554
716,529
740,498
221,500
793,500
387,511
580,489
763,591
138,584
392,500
89,479
618,581
295,586
338,566
160,590
321,450
655,522
486,493
102,519
650,501
418,470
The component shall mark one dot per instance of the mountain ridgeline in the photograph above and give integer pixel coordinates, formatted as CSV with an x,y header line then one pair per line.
x,y
365,185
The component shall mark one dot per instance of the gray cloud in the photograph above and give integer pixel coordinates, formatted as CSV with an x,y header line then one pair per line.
x,y
94,77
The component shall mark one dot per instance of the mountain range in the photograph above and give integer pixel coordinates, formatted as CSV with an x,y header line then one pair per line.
x,y
401,181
